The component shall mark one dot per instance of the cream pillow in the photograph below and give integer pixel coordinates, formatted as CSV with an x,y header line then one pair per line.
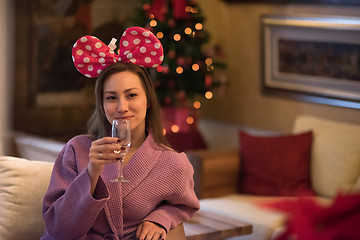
x,y
23,184
335,163
356,187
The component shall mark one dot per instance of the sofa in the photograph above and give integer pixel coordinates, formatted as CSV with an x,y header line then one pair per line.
x,y
23,184
333,168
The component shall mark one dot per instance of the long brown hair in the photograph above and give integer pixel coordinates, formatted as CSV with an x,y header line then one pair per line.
x,y
98,125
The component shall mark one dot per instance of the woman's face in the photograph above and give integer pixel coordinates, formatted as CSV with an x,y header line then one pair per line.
x,y
125,98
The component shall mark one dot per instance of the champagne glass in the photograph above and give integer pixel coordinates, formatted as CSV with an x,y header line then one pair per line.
x,y
121,130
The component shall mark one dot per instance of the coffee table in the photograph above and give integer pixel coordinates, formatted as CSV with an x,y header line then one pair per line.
x,y
210,226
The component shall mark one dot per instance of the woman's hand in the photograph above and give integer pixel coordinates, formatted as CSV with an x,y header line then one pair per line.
x,y
150,231
102,153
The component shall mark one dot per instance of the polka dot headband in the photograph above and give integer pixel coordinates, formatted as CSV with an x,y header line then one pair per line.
x,y
137,45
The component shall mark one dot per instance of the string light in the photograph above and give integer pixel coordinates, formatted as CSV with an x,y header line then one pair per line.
x,y
177,37
198,26
188,9
189,120
197,104
210,68
208,95
208,61
153,23
175,128
195,67
188,31
159,35
179,70
164,131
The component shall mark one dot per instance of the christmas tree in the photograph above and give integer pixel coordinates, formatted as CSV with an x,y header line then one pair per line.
x,y
188,69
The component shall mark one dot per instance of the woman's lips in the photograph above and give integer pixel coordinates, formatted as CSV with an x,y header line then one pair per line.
x,y
124,117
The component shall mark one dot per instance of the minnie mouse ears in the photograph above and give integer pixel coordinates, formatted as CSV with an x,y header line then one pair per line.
x,y
137,45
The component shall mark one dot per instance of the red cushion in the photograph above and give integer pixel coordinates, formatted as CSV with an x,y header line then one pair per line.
x,y
276,166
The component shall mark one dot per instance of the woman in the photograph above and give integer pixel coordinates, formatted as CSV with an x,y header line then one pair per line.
x,y
82,203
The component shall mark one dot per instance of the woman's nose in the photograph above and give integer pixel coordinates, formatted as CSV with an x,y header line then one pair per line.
x,y
122,106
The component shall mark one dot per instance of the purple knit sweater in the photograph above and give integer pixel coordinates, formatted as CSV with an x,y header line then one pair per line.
x,y
161,190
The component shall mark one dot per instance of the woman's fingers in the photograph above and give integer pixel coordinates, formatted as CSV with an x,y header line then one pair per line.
x,y
101,147
163,235
102,153
150,231
138,231
158,235
106,140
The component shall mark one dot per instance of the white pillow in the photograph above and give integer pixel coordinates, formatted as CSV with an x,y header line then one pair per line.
x,y
356,187
335,163
23,184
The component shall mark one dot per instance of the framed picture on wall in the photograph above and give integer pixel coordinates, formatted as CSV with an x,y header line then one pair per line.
x,y
314,59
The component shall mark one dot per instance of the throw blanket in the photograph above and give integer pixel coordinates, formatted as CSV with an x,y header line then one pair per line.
x,y
307,220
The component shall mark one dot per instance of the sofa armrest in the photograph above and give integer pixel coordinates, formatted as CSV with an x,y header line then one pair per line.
x,y
176,233
217,171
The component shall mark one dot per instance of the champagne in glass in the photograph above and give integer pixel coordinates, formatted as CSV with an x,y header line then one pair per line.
x,y
121,130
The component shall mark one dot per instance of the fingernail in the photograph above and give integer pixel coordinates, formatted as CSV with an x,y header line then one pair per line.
x,y
118,140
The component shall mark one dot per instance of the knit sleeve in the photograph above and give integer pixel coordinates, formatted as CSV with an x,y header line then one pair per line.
x,y
182,203
68,208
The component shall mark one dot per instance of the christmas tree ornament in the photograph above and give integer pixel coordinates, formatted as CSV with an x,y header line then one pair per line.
x,y
146,7
171,22
180,61
159,9
171,53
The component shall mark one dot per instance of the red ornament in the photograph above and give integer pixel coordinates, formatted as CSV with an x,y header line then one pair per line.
x,y
171,22
179,9
159,68
171,84
167,100
84,16
208,80
180,61
189,61
166,69
171,54
146,7
181,95
159,9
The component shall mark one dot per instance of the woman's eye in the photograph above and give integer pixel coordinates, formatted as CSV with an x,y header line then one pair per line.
x,y
110,98
131,95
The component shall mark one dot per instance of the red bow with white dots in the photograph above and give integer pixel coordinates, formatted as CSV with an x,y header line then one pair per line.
x,y
137,45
